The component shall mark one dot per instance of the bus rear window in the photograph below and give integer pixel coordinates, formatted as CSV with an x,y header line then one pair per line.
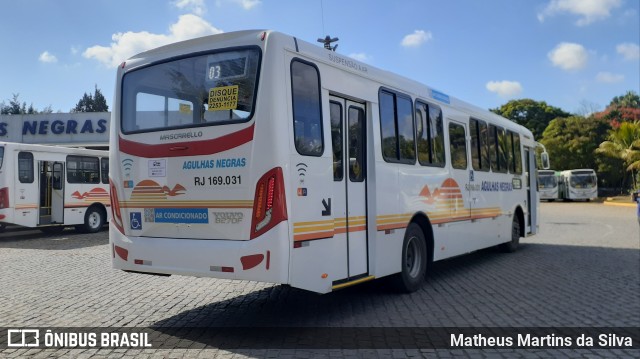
x,y
211,89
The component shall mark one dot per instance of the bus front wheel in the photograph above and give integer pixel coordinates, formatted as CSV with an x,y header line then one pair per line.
x,y
414,260
513,245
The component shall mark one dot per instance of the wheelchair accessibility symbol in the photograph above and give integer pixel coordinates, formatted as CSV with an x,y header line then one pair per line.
x,y
135,218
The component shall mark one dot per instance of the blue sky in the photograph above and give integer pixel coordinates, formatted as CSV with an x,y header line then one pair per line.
x,y
573,54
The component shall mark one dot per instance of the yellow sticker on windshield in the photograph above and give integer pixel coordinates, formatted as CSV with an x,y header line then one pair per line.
x,y
223,98
185,108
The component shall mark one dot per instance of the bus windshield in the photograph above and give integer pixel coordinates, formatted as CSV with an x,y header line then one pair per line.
x,y
1,156
547,181
211,89
583,181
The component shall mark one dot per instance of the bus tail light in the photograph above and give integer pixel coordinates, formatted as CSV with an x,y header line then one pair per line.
x,y
269,205
116,214
4,198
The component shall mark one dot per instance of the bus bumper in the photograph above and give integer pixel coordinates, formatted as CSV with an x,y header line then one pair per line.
x,y
262,259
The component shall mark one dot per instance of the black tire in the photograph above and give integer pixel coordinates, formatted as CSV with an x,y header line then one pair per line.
x,y
94,219
414,261
513,245
52,230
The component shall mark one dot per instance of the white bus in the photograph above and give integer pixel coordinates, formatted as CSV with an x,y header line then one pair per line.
x,y
254,155
50,187
579,184
548,185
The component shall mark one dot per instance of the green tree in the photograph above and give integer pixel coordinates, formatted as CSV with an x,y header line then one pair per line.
x,y
623,143
571,141
15,107
629,99
534,115
92,103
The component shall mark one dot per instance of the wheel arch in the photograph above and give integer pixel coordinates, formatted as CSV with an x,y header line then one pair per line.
x,y
100,206
422,220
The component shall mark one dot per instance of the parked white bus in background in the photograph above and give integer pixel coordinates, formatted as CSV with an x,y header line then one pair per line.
x,y
579,184
50,187
254,155
548,185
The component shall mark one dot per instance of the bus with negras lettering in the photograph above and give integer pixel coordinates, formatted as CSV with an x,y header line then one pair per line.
x,y
259,156
52,187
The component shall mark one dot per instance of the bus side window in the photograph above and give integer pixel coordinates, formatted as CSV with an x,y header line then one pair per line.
x,y
104,170
307,112
479,151
396,127
458,146
517,153
493,147
25,167
503,163
429,134
57,176
335,111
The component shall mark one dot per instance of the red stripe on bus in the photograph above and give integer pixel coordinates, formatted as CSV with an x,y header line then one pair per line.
x,y
193,148
251,261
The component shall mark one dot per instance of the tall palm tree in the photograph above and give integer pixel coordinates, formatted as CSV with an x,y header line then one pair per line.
x,y
624,143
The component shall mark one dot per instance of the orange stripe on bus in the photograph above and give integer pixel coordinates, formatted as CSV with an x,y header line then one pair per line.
x,y
316,235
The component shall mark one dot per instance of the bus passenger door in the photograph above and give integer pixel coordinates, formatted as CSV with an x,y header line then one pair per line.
x,y
532,190
44,193
349,174
57,193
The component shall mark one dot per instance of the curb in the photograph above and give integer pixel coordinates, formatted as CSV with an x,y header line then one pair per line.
x,y
619,204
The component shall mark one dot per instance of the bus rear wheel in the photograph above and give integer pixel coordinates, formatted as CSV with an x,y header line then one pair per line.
x,y
513,245
414,260
94,219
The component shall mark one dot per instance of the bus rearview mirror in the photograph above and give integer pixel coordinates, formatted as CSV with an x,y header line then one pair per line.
x,y
544,158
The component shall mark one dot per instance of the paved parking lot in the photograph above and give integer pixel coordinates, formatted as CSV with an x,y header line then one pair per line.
x,y
582,270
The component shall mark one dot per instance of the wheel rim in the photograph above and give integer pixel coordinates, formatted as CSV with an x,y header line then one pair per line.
x,y
413,257
94,220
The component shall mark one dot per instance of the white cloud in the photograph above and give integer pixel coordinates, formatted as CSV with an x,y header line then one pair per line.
x,y
629,51
197,7
248,4
569,56
127,44
416,39
46,57
75,50
505,89
360,56
608,77
588,10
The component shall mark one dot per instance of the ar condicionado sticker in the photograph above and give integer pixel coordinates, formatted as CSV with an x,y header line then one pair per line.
x,y
223,98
